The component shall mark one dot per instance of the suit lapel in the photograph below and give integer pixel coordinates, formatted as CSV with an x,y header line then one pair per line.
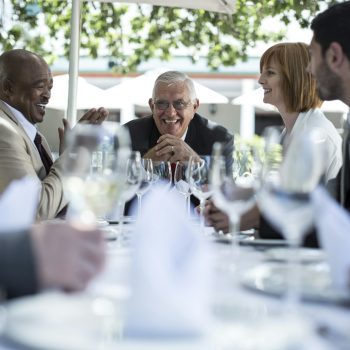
x,y
31,149
191,138
154,135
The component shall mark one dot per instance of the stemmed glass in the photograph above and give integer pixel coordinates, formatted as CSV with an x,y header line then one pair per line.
x,y
234,189
146,180
199,180
285,199
182,184
93,170
162,174
132,183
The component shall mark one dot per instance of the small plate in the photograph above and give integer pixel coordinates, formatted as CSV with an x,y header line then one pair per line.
x,y
316,284
304,255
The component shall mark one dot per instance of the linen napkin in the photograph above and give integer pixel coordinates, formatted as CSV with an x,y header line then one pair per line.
x,y
170,273
333,227
18,204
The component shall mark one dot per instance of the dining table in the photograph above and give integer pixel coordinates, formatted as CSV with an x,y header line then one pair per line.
x,y
248,304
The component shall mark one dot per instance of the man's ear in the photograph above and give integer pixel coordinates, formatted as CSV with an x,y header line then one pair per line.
x,y
151,104
7,87
335,56
196,105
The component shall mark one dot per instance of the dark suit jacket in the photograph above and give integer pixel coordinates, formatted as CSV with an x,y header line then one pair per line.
x,y
17,267
201,136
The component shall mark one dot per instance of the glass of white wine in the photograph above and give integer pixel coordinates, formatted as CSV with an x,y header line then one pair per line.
x,y
94,164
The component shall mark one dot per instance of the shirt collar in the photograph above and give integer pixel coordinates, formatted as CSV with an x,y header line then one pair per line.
x,y
184,135
28,127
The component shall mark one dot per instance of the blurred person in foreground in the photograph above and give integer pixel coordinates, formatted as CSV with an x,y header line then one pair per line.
x,y
54,255
330,66
292,90
175,131
25,90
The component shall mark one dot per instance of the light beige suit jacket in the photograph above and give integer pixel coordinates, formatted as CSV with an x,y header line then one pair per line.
x,y
19,157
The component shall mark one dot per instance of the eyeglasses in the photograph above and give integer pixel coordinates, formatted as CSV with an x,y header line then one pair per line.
x,y
178,105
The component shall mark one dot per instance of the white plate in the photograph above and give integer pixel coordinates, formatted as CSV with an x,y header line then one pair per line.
x,y
58,321
316,283
304,255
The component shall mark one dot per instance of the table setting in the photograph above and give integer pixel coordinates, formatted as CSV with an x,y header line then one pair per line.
x,y
170,282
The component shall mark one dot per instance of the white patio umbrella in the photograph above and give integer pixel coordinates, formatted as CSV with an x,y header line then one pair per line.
x,y
255,98
225,6
88,95
138,90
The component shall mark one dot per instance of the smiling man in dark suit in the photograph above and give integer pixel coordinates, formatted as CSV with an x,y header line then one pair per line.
x,y
175,131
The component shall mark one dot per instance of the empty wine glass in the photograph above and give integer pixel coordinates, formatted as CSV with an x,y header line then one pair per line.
x,y
132,183
162,174
93,171
285,198
146,180
182,183
234,190
199,180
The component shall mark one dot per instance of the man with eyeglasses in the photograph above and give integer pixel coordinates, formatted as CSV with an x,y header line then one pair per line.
x,y
175,131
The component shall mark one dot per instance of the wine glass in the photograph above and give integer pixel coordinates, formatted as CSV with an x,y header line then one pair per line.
x,y
162,174
285,198
146,180
93,171
132,183
234,187
199,180
182,184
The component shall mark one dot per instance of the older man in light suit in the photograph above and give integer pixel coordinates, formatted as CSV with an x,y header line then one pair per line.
x,y
25,90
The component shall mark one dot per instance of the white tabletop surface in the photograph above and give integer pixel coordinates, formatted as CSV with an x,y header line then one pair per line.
x,y
240,315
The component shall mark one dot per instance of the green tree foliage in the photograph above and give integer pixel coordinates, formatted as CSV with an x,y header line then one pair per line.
x,y
131,34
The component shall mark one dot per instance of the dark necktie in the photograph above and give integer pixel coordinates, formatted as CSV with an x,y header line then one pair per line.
x,y
345,175
173,167
45,158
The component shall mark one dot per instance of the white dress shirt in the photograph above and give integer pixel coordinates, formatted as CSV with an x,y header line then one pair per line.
x,y
28,127
314,118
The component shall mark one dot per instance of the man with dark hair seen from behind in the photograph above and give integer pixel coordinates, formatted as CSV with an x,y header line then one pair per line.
x,y
25,90
330,65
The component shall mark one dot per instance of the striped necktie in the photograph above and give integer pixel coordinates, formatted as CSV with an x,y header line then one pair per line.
x,y
45,158
345,175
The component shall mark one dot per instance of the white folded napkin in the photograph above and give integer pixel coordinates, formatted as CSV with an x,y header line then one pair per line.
x,y
18,204
333,227
170,273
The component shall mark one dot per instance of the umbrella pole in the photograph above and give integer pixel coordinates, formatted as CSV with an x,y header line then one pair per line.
x,y
71,113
